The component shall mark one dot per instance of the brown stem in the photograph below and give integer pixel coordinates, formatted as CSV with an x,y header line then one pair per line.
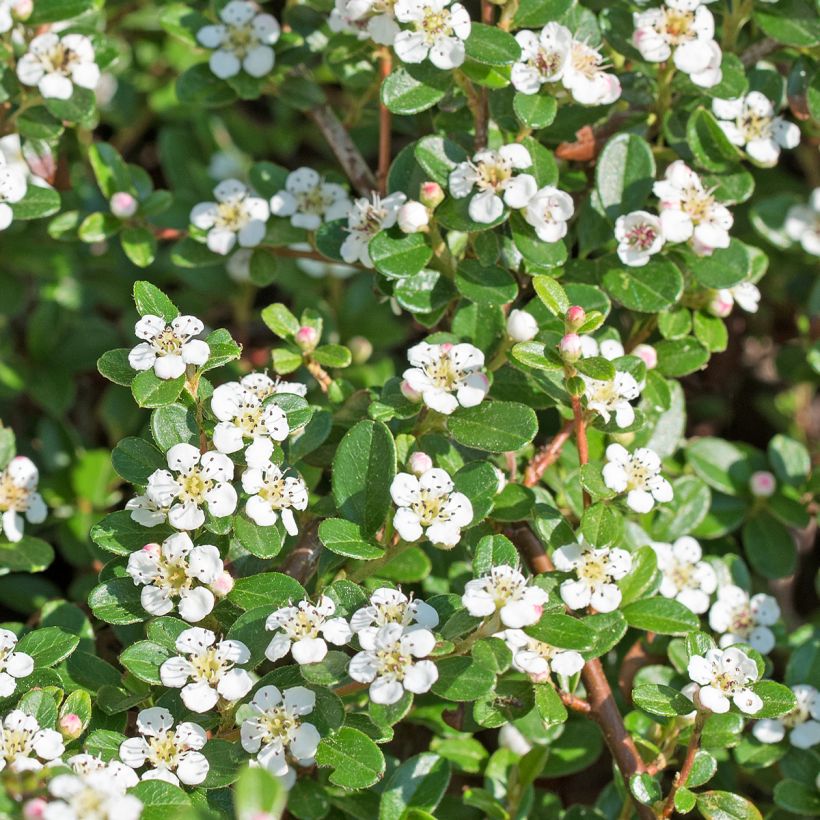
x,y
301,563
530,548
546,456
683,775
574,702
319,373
581,438
385,67
482,119
635,659
758,51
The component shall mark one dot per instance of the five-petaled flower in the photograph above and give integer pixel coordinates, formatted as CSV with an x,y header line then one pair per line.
x,y
13,187
242,41
538,659
97,794
366,18
724,676
13,665
172,754
447,375
368,216
429,506
209,671
585,76
304,630
24,745
19,498
392,606
237,216
544,56
505,590
686,577
638,475
548,211
639,235
309,201
739,618
57,64
596,571
242,415
802,723
168,348
438,32
612,397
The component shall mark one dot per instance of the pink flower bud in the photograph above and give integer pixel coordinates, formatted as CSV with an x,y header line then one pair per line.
x,y
648,355
521,326
152,549
721,304
123,205
22,9
762,484
34,809
360,348
223,584
306,337
413,217
409,393
570,347
575,317
431,194
70,726
419,463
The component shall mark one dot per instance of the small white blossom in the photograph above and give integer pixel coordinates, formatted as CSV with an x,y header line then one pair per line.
x,y
304,630
609,349
391,662
725,675
612,397
638,475
538,659
686,577
209,672
504,590
521,326
493,174
24,746
13,665
168,348
263,386
13,187
84,764
176,570
194,480
173,755
691,213
391,606
438,32
242,41
237,216
585,78
639,235
428,506
548,211
19,498
803,224
596,571
366,18
367,217
751,123
802,723
243,415
685,31
413,217
309,201
447,375
57,64
511,738
762,484
544,56
739,618
746,294
98,794
6,18
272,493
273,729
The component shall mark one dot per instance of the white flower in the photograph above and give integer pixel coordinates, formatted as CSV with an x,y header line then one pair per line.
x,y
803,224
168,348
366,18
145,511
367,217
439,371
543,58
521,326
13,187
750,122
209,671
511,738
6,19
98,794
608,397
19,498
684,30
438,32
725,675
263,386
686,577
236,216
504,590
741,619
195,480
493,174
427,505
609,349
173,755
690,212
242,415
84,764
242,40
390,662
304,630
596,571
637,475
539,659
747,295
639,235
24,746
176,569
272,728
309,201
413,217
391,606
56,64
13,664
272,493
584,76
548,211
803,722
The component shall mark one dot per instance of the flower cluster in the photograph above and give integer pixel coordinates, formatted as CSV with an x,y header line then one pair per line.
x,y
596,571
725,677
638,475
504,590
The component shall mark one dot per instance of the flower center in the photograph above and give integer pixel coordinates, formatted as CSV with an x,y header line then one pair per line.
x,y
677,26
434,24
90,804
164,750
493,174
279,724
754,126
444,373
167,342
249,420
391,613
637,475
173,575
208,666
313,201
59,60
697,203
798,715
681,575
305,624
274,492
194,486
727,682
546,62
429,508
504,589
641,236
391,662
743,621
240,40
585,61
231,216
12,496
15,743
593,570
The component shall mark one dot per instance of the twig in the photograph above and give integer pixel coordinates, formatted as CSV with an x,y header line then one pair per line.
x,y
385,66
319,373
301,563
635,659
758,51
349,156
683,775
546,456
527,543
482,113
581,438
574,702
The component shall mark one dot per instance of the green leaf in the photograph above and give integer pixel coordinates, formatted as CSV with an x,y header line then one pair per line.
x,y
645,788
491,46
438,156
419,783
708,143
494,426
790,460
792,22
37,203
48,645
115,367
723,268
412,89
223,349
263,542
703,769
150,300
485,285
224,761
110,170
258,793
120,534
50,11
665,701
710,331
769,546
726,806
425,292
534,250
596,367
642,578
777,699
396,254
29,554
535,110
199,86
798,798
661,615
721,464
346,538
135,459
356,761
624,176
363,469
143,660
151,391
684,512
160,800
680,357
602,525
174,424
536,13
8,446
117,601
551,294
564,631
649,289
548,703
462,679
271,589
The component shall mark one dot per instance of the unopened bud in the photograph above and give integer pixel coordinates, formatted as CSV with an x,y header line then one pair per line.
x,y
648,355
70,726
431,195
35,809
521,326
361,349
413,217
419,463
762,484
721,304
306,337
123,205
575,317
409,393
152,549
22,9
223,584
570,347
